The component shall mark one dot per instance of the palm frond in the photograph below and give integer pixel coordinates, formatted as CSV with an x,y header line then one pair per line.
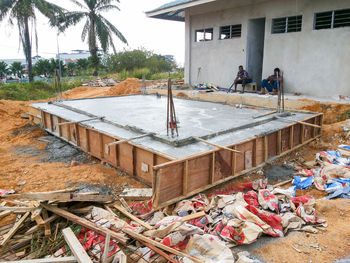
x,y
49,10
103,34
5,8
107,8
85,30
114,30
78,4
70,18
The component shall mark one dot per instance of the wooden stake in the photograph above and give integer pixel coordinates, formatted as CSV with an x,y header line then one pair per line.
x,y
106,248
76,122
217,146
14,229
185,178
132,217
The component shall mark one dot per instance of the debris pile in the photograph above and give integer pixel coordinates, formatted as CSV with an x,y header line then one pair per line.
x,y
331,174
102,82
128,86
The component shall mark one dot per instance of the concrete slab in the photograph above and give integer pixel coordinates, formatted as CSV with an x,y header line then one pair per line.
x,y
130,116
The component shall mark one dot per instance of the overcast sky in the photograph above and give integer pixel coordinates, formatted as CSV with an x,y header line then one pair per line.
x,y
161,36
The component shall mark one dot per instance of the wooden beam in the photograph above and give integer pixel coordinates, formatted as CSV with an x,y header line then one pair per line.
x,y
266,148
14,229
100,138
83,222
233,161
265,114
77,134
217,146
69,137
5,213
291,136
51,122
59,127
46,260
300,122
193,216
76,122
67,197
212,170
133,155
279,142
124,141
16,208
136,194
301,133
43,119
132,217
87,140
185,178
106,248
46,221
75,246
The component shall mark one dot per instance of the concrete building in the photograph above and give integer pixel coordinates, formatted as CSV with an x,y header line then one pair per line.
x,y
309,40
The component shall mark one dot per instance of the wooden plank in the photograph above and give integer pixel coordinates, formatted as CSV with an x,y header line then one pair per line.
x,y
216,145
302,133
35,228
265,114
291,136
59,127
212,169
83,222
133,153
43,119
234,161
100,139
16,208
69,136
136,193
75,246
185,178
106,248
255,152
5,213
266,152
279,142
159,245
47,224
14,229
76,122
51,123
193,216
132,217
88,147
46,260
67,197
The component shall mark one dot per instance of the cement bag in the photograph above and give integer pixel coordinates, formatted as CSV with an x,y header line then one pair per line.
x,y
209,248
240,232
267,200
291,222
334,171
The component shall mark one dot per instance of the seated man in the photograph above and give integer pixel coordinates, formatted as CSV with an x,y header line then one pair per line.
x,y
270,84
242,78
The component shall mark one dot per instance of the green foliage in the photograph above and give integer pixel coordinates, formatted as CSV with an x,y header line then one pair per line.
x,y
42,67
3,69
136,61
32,91
17,69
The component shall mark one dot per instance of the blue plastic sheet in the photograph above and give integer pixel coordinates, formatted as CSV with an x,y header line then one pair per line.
x,y
302,182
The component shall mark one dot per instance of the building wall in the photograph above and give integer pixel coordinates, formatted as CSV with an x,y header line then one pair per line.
x,y
314,61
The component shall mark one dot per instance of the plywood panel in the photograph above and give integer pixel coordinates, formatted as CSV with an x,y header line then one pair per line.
x,y
160,159
110,155
73,133
171,182
144,164
198,172
55,122
223,164
285,139
308,130
272,144
242,159
94,143
125,157
64,131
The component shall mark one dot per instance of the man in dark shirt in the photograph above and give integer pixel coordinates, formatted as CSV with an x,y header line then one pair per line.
x,y
242,78
270,84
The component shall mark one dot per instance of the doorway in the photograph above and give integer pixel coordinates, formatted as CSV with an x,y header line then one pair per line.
x,y
255,49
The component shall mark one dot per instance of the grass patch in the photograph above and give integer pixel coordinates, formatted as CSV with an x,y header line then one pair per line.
x,y
32,91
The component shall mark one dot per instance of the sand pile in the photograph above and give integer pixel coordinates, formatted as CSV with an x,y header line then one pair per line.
x,y
128,86
332,112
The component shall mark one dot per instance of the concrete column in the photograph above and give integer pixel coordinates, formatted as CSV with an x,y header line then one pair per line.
x,y
188,40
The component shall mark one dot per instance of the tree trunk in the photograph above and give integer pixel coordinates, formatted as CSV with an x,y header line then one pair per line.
x,y
28,49
93,47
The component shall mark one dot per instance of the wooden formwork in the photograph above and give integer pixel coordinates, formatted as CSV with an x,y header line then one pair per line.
x,y
175,179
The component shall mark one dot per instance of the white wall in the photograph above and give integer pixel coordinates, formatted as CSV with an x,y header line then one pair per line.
x,y
315,62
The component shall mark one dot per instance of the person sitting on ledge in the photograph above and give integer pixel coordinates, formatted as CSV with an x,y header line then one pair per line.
x,y
242,78
270,84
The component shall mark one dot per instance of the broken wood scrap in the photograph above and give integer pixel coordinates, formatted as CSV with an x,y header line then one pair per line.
x,y
265,114
14,229
136,194
75,246
5,213
35,228
193,216
160,252
66,197
132,217
46,260
16,208
120,237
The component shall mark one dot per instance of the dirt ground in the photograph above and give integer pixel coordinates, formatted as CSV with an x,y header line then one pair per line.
x,y
17,133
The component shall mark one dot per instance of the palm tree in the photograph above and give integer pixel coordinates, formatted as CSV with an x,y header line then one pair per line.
x,y
23,12
96,28
17,69
3,69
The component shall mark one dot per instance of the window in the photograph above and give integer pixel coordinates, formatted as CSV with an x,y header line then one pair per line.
x,y
286,24
204,35
230,31
332,19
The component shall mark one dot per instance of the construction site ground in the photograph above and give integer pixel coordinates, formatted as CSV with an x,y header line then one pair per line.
x,y
32,161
